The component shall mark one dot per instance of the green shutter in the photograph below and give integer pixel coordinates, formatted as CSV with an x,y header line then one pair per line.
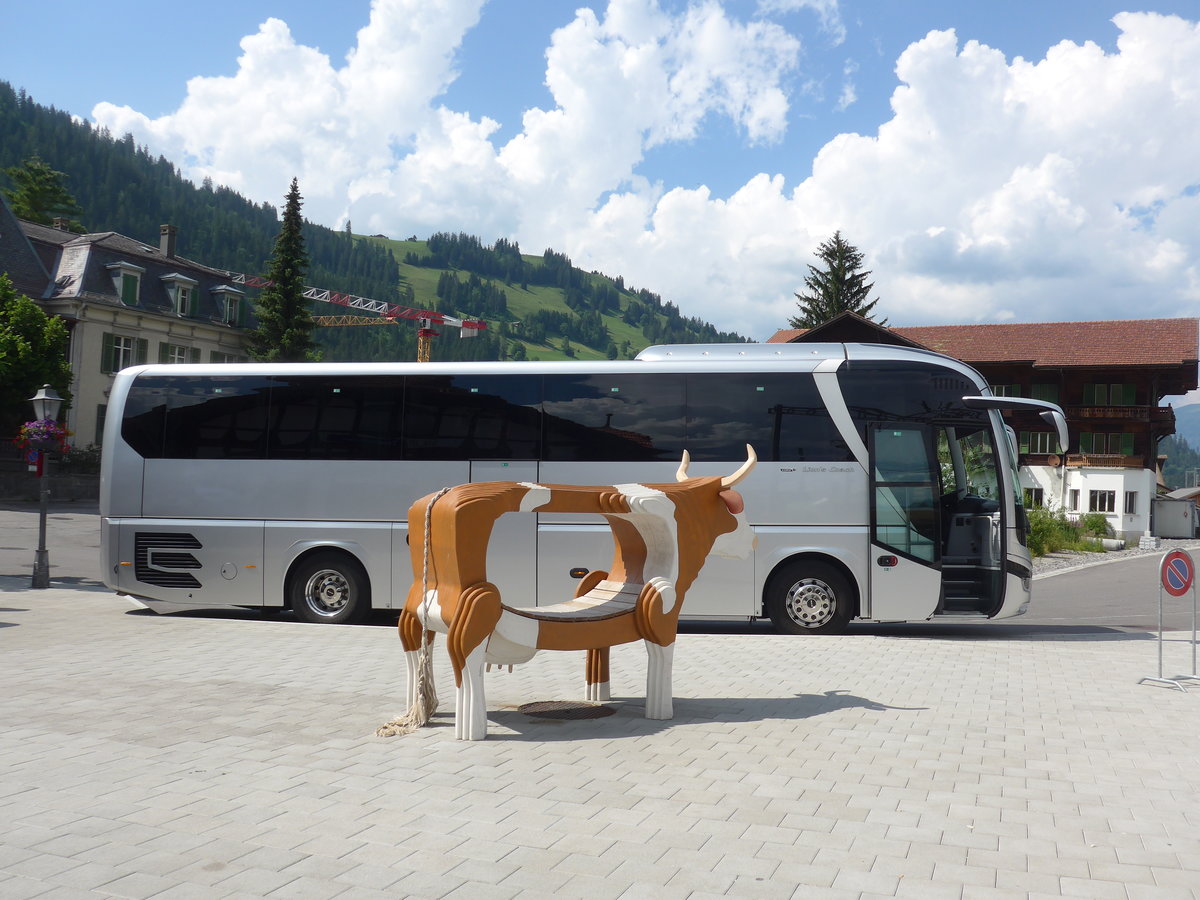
x,y
193,303
1128,394
163,350
106,354
194,355
1127,445
141,346
1085,442
1023,444
1089,395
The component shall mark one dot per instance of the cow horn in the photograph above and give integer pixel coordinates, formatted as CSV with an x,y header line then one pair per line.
x,y
731,480
682,475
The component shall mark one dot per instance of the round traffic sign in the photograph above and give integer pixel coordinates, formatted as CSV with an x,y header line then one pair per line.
x,y
1177,572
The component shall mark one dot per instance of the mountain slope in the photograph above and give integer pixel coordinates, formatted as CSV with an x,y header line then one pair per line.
x,y
563,312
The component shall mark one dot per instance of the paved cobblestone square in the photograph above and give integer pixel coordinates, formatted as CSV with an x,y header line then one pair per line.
x,y
210,756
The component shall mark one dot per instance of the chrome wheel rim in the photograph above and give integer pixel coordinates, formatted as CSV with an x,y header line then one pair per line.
x,y
327,592
810,603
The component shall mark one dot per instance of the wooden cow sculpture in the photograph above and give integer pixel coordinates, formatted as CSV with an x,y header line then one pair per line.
x,y
662,534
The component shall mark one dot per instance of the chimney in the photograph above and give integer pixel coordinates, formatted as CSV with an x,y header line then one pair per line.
x,y
62,223
166,240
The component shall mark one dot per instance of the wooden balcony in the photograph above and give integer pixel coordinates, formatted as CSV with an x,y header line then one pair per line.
x,y
1078,460
1104,461
1124,413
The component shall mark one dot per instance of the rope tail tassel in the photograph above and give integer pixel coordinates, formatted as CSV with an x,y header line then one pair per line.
x,y
426,702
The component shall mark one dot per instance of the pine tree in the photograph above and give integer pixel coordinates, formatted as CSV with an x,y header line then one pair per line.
x,y
285,326
41,194
839,287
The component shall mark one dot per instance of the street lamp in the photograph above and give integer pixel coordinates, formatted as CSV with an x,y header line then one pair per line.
x,y
46,403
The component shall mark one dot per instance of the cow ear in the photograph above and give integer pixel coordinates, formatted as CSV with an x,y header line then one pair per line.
x,y
733,501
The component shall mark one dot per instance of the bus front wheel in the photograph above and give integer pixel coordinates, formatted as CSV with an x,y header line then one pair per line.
x,y
330,588
806,597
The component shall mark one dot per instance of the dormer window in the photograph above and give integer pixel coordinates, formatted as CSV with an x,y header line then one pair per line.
x,y
182,291
127,281
231,303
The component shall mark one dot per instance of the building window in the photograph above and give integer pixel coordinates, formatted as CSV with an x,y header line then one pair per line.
x,y
1108,395
118,351
1102,501
1100,444
1035,497
177,353
183,299
1073,500
232,310
1131,503
127,281
216,356
1048,392
129,289
1006,390
1039,442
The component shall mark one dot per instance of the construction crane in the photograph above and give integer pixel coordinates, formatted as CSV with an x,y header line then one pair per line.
x,y
389,313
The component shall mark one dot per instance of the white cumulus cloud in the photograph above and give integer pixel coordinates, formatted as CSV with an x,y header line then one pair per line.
x,y
1062,188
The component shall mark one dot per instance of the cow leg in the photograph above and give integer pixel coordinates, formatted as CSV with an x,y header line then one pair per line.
x,y
470,723
658,680
597,675
466,641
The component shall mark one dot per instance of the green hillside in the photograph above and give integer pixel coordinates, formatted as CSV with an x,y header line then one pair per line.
x,y
536,307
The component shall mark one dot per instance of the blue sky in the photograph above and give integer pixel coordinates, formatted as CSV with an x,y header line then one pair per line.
x,y
701,149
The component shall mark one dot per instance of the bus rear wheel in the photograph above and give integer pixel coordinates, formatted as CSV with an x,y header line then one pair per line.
x,y
806,597
330,588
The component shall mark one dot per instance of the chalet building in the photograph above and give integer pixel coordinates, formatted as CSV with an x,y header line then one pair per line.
x,y
1109,378
124,303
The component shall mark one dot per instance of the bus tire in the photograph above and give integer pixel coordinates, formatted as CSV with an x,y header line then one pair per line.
x,y
809,597
329,588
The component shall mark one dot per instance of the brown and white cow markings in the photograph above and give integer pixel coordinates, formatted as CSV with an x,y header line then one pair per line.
x,y
662,534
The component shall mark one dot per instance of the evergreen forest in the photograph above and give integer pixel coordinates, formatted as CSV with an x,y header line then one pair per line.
x,y
536,306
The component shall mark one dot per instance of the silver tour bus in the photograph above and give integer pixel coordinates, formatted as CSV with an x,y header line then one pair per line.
x,y
886,488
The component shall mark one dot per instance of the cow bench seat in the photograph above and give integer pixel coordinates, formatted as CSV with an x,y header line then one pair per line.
x,y
606,600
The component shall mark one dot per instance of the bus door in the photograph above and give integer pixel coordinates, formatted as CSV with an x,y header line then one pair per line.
x,y
905,550
512,551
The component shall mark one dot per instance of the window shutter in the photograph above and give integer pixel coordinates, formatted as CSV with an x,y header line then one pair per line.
x,y
194,355
1127,445
1085,441
193,303
106,354
1024,442
1129,395
141,347
163,350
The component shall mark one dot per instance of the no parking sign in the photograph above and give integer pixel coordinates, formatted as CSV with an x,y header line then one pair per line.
x,y
1177,573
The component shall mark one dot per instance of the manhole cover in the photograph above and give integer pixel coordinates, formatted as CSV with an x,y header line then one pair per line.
x,y
565,709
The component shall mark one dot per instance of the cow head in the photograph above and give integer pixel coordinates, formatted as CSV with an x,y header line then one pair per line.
x,y
737,541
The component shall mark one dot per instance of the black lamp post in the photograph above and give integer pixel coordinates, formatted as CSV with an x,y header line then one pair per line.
x,y
45,407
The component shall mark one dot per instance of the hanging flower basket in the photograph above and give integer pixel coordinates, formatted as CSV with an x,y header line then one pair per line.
x,y
42,434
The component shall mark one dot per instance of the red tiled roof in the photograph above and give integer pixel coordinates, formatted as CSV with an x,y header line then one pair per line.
x,y
1133,342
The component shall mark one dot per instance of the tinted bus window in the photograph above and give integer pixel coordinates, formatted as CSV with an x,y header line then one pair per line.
x,y
780,414
472,417
197,417
888,391
335,417
617,418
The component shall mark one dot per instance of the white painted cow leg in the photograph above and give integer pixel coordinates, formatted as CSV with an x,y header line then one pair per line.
x,y
470,720
412,659
598,692
658,681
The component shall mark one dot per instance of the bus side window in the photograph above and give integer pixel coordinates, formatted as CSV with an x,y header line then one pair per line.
x,y
618,417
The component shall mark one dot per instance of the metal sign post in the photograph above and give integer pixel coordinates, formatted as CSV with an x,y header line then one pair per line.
x,y
1177,576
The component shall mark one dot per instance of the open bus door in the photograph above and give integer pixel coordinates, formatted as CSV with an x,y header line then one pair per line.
x,y
905,549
